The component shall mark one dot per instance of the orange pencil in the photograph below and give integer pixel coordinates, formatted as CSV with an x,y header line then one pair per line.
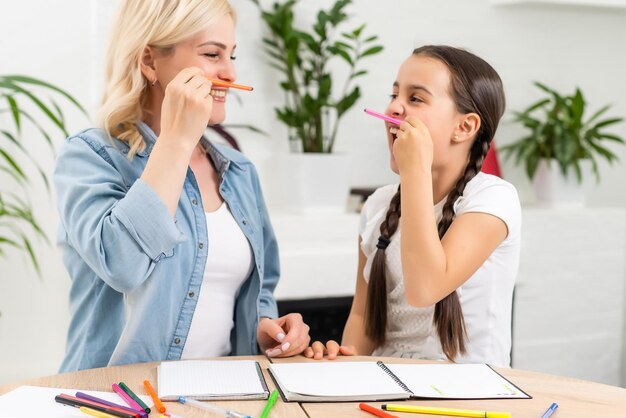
x,y
157,402
220,83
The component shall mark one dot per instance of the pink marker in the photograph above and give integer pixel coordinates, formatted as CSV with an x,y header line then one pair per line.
x,y
383,116
130,401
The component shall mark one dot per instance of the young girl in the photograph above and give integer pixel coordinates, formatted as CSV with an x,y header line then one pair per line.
x,y
437,284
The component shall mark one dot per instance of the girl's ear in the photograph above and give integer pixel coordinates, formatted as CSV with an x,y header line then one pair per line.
x,y
146,64
468,127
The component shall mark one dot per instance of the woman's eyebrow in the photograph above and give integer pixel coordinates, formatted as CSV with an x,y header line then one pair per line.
x,y
215,43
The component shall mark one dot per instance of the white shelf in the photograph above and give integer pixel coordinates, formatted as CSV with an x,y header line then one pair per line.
x,y
587,3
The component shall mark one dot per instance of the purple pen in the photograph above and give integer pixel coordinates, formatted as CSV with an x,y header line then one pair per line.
x,y
88,397
383,116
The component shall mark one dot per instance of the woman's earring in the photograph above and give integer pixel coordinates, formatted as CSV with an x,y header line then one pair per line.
x,y
153,83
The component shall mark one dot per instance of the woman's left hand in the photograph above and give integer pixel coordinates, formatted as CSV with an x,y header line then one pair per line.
x,y
283,337
413,147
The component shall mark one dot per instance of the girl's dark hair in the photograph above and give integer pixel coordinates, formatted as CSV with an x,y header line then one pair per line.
x,y
475,88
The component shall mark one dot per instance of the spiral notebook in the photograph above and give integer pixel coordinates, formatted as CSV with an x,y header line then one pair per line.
x,y
373,381
211,380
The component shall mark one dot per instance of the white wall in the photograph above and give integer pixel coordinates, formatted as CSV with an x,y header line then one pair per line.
x,y
63,42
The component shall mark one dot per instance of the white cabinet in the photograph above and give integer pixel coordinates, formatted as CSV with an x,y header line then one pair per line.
x,y
570,293
318,254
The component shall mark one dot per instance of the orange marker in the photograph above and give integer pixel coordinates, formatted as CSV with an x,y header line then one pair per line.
x,y
157,402
220,83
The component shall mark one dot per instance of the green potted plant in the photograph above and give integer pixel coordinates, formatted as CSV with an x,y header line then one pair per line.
x,y
315,101
562,147
25,100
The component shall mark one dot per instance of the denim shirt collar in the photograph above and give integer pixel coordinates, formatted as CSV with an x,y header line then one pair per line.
x,y
220,161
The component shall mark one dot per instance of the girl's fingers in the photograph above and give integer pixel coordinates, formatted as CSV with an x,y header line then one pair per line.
x,y
318,350
347,350
332,347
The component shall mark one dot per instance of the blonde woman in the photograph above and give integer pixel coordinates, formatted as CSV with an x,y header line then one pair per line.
x,y
166,236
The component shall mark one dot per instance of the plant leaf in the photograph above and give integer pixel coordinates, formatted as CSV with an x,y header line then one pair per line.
x,y
37,82
371,51
15,111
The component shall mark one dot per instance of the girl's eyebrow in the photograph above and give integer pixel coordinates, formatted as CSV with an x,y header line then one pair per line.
x,y
415,87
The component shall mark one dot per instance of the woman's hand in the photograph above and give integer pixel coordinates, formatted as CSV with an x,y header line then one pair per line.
x,y
413,147
283,337
331,349
186,108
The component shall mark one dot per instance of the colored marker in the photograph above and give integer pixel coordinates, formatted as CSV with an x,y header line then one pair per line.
x,y
82,395
270,404
375,411
136,398
95,413
445,411
157,402
383,116
212,408
77,403
220,83
550,410
126,397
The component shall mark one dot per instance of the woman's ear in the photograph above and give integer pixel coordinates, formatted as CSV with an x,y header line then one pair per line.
x,y
146,63
468,127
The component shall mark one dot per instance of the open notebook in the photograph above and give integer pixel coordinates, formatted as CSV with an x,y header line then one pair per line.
x,y
211,380
371,381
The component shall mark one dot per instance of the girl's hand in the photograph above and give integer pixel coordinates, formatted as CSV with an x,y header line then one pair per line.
x,y
331,349
413,147
186,107
283,337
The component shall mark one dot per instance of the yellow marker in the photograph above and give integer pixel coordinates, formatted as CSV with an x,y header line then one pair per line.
x,y
95,413
445,411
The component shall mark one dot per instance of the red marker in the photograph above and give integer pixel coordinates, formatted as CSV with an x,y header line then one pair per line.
x,y
378,412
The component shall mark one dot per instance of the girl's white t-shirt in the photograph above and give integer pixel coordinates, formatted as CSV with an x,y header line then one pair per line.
x,y
486,297
229,263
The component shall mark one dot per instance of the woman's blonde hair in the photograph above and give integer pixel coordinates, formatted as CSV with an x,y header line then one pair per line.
x,y
139,23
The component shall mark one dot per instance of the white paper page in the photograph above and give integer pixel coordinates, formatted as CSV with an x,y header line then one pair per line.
x,y
209,378
454,381
36,401
327,379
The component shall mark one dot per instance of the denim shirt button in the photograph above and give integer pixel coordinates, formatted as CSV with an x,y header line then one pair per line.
x,y
244,222
191,294
176,340
201,245
194,202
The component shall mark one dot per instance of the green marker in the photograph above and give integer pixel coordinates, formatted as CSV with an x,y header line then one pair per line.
x,y
270,403
136,398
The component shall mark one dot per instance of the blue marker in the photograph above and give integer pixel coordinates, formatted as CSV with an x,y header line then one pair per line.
x,y
550,410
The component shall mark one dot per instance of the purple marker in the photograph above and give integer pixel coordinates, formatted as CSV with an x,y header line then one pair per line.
x,y
383,116
88,397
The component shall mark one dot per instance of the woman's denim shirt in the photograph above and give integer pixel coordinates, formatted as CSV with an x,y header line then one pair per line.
x,y
136,272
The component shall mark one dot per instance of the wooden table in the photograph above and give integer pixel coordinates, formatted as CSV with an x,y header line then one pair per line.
x,y
576,398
